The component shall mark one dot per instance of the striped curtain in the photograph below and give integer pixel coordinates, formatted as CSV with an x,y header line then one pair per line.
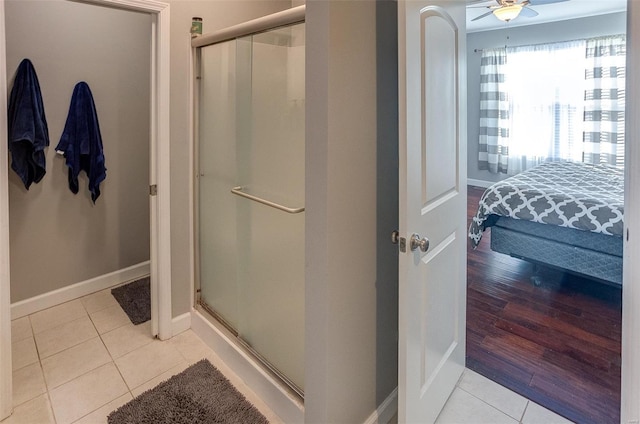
x,y
603,138
494,112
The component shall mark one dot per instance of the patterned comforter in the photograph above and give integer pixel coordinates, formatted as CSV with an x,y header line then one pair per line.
x,y
569,194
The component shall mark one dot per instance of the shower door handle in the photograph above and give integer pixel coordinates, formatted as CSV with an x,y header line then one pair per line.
x,y
238,191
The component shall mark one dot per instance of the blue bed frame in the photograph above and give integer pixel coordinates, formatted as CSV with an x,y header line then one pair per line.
x,y
592,255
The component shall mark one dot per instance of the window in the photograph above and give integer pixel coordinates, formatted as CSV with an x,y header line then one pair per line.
x,y
560,101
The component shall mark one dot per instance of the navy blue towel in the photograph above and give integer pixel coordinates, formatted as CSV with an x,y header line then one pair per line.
x,y
81,142
28,131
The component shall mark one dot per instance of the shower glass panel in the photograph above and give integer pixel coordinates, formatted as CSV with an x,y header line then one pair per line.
x,y
251,141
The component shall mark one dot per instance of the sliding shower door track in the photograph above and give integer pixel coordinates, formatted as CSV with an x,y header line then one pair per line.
x,y
270,367
247,348
218,318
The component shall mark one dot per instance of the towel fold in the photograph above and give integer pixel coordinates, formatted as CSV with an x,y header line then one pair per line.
x,y
81,141
27,124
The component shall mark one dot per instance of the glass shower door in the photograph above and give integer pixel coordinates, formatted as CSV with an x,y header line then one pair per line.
x,y
217,172
251,183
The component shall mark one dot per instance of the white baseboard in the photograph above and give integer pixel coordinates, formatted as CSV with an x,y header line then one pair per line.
x,y
180,323
282,403
387,409
479,183
74,291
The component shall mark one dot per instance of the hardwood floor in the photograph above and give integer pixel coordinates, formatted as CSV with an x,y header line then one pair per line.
x,y
558,345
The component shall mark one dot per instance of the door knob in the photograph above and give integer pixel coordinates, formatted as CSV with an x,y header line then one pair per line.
x,y
419,242
395,237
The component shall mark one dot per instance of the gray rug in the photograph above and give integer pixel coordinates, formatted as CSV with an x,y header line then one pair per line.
x,y
135,300
198,395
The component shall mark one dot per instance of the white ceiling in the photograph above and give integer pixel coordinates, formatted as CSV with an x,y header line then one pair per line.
x,y
546,13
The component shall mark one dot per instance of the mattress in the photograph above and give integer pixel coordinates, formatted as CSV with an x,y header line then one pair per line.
x,y
571,195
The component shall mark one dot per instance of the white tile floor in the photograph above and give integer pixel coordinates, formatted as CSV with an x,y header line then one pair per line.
x,y
478,400
77,362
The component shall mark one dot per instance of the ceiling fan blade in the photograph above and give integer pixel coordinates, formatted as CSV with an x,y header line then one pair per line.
x,y
482,16
528,13
541,2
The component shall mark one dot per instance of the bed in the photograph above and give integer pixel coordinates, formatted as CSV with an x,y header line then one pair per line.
x,y
565,215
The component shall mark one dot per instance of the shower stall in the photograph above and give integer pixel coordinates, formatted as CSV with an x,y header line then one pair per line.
x,y
250,182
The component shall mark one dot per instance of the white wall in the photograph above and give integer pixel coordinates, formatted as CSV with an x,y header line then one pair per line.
x,y
58,238
595,26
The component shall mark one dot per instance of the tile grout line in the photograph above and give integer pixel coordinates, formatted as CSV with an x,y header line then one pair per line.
x,y
130,389
46,385
488,404
39,359
110,356
88,315
53,412
113,361
68,347
525,411
48,390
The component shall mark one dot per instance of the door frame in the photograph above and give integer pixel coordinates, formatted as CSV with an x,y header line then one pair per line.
x,y
630,385
159,175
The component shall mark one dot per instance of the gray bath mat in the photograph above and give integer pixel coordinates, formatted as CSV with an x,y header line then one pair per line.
x,y
135,300
198,395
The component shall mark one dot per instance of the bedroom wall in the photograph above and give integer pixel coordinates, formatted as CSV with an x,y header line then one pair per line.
x,y
595,26
58,238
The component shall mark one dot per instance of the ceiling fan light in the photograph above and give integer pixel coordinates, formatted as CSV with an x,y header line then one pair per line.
x,y
508,13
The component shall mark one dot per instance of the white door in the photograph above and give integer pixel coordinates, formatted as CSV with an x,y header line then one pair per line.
x,y
432,292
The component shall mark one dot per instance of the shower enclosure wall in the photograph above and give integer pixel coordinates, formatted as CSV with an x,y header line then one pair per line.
x,y
250,193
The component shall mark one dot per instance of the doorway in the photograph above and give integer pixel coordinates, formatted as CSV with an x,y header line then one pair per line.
x,y
159,176
566,300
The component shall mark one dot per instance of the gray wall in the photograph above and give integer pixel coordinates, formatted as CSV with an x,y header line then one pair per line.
x,y
351,201
58,238
216,15
387,193
595,26
68,42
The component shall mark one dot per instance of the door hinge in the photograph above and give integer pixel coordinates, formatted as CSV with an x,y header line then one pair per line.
x,y
153,190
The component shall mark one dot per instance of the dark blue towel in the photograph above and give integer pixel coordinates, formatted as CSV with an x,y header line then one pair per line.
x,y
28,131
81,142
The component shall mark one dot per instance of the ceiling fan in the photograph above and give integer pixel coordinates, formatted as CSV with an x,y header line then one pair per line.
x,y
506,10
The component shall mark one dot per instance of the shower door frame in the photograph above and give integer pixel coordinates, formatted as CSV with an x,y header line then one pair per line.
x,y
287,17
159,176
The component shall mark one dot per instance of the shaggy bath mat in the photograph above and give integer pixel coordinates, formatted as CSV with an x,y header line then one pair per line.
x,y
198,395
135,300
